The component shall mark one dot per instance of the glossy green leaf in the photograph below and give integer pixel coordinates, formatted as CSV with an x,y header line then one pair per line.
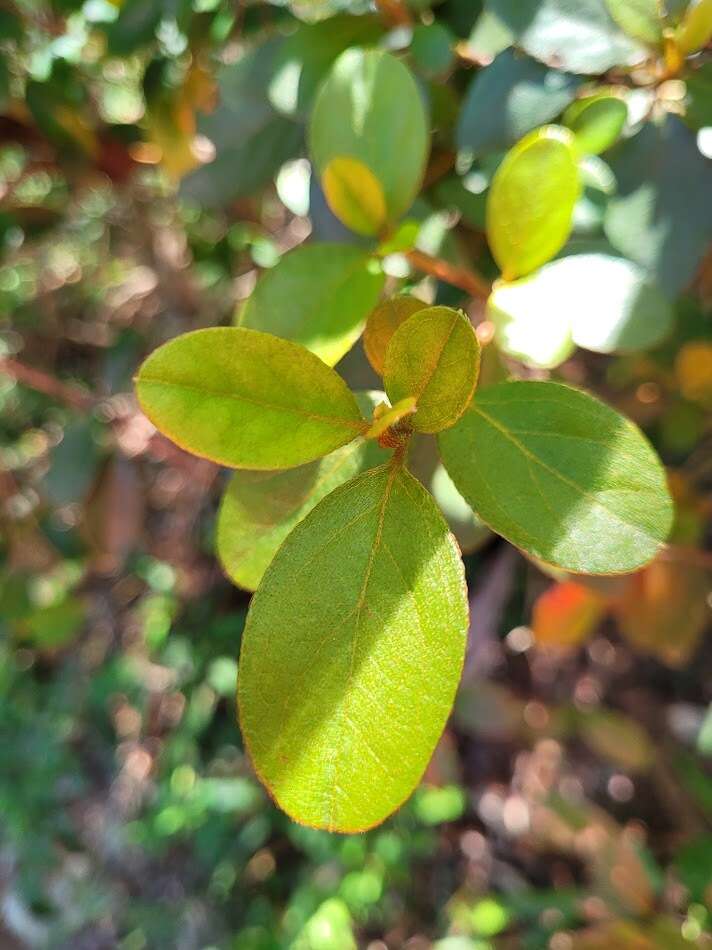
x,y
369,110
577,35
640,19
260,509
596,121
247,399
352,653
318,295
659,216
560,475
434,356
508,98
531,201
383,322
695,31
529,323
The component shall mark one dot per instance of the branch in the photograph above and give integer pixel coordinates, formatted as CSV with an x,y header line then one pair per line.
x,y
49,385
466,280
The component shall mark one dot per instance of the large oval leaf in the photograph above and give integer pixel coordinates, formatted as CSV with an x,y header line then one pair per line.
x,y
259,509
247,399
531,201
318,295
369,112
435,357
561,475
352,653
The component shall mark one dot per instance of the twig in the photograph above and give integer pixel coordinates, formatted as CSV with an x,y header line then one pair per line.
x,y
49,385
466,280
689,555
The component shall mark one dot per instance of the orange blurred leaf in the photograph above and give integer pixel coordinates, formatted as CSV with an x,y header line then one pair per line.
x,y
566,614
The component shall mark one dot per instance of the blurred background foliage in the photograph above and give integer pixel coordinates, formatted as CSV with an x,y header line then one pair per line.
x,y
152,163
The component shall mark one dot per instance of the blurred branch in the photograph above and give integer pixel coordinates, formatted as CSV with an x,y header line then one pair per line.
x,y
49,385
467,280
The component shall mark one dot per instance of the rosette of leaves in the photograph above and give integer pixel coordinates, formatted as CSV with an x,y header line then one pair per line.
x,y
355,638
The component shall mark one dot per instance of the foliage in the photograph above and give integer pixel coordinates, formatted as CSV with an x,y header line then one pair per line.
x,y
372,257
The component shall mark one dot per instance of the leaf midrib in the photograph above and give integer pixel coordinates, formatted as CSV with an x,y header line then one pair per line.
x,y
262,404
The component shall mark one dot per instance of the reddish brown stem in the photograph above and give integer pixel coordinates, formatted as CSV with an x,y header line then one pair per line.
x,y
49,385
466,280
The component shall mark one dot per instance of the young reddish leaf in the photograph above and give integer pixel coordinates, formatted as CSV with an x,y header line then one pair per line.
x,y
369,118
318,295
383,322
259,509
247,399
664,610
566,614
561,475
352,653
435,357
531,200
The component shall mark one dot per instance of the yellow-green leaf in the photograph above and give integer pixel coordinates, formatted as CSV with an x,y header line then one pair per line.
x,y
560,475
434,356
383,322
386,416
596,121
318,295
259,509
355,195
531,200
247,399
695,30
368,128
352,653
640,19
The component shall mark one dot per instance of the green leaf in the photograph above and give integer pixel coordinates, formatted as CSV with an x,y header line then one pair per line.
x,y
247,399
508,98
638,18
432,48
355,195
560,475
383,322
531,201
529,323
318,295
260,509
369,111
602,303
695,30
434,356
596,121
352,653
577,35
659,216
